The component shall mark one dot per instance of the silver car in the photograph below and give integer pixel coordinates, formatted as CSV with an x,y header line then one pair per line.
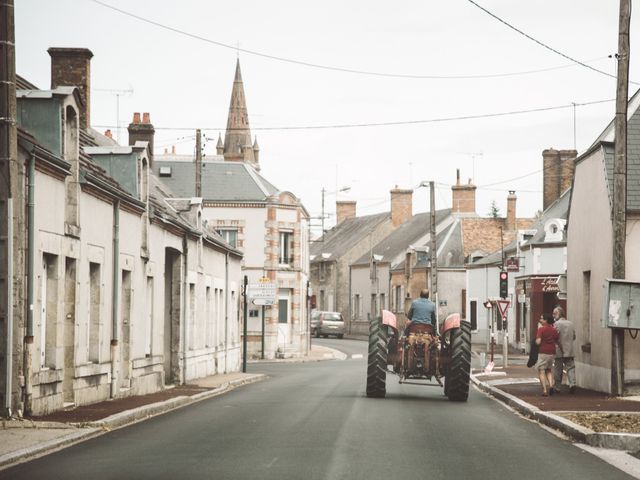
x,y
327,323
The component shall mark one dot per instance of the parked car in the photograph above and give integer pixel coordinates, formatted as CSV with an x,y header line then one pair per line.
x,y
327,323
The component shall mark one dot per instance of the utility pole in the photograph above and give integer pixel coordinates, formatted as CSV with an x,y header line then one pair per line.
x,y
620,188
11,219
198,163
433,248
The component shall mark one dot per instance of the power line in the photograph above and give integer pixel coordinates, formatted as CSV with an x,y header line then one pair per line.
x,y
386,124
329,67
544,45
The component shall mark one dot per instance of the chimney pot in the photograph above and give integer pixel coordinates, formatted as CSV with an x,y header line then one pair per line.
x,y
166,150
136,117
107,133
173,149
146,118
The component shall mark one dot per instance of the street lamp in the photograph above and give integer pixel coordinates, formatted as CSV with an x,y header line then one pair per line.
x,y
324,192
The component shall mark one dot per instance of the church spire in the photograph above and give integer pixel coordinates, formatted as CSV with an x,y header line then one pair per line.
x,y
237,138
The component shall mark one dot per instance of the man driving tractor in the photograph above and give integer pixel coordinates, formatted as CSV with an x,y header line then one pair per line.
x,y
422,311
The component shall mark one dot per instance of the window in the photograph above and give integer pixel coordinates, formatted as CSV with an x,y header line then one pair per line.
x,y
383,305
586,305
283,310
321,304
93,324
374,305
322,270
398,299
49,308
356,306
148,331
208,319
229,235
192,316
473,306
286,248
464,303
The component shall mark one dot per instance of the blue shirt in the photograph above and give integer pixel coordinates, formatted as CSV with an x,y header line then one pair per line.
x,y
422,310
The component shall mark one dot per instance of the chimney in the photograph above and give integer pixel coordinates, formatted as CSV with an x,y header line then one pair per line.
x,y
71,67
173,149
401,205
345,209
463,197
558,167
511,211
107,133
143,131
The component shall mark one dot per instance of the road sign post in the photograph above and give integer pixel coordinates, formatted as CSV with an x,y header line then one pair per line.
x,y
262,293
503,307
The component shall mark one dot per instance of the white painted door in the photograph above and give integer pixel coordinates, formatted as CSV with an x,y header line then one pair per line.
x,y
284,318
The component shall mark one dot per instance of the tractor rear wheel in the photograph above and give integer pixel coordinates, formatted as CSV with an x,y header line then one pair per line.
x,y
377,360
457,378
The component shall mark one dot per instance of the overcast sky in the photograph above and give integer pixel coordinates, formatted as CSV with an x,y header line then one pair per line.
x,y
185,82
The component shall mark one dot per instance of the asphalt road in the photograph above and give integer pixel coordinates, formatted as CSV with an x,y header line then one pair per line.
x,y
313,421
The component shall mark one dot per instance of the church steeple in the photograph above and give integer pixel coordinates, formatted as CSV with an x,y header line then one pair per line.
x,y
237,138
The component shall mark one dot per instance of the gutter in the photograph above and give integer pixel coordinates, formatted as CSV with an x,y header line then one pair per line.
x,y
28,339
10,305
115,298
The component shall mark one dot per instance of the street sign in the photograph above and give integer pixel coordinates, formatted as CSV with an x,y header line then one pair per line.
x,y
263,292
512,264
503,305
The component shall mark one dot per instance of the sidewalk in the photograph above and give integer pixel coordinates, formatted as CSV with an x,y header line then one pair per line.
x,y
589,417
25,439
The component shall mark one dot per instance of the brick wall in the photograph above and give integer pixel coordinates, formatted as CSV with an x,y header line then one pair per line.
x,y
345,209
71,67
558,167
401,206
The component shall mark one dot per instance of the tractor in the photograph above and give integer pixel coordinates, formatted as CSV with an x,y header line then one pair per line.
x,y
421,356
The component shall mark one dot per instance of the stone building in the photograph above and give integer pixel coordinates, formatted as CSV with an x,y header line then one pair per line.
x,y
126,292
352,237
270,226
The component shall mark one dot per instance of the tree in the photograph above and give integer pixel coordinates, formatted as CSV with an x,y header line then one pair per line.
x,y
494,211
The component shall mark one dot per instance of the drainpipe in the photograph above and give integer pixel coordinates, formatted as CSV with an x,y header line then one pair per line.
x,y
28,339
226,312
185,290
350,305
9,345
115,298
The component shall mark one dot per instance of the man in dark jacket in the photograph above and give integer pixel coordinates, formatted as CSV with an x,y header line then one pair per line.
x,y
422,310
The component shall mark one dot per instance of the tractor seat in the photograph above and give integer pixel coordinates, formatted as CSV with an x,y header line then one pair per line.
x,y
417,328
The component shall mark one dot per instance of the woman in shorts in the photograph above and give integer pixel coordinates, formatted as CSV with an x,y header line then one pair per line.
x,y
546,339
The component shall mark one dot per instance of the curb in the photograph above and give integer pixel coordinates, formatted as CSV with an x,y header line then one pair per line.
x,y
85,431
129,417
614,441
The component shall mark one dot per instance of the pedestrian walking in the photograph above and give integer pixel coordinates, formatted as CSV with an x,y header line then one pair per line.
x,y
546,339
564,352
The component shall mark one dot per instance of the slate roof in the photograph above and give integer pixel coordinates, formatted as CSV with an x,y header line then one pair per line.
x,y
345,235
407,234
221,181
606,142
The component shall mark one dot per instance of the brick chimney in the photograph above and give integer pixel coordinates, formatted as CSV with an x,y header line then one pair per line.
x,y
345,209
558,167
401,205
71,67
143,131
511,211
463,197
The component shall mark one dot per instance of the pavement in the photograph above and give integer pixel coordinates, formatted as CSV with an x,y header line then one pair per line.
x,y
516,385
27,438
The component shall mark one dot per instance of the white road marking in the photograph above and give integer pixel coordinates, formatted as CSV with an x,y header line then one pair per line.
x,y
357,355
618,458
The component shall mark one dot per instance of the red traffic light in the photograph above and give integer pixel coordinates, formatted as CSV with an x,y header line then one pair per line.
x,y
503,275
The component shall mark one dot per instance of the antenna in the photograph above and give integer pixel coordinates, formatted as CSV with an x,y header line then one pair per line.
x,y
117,93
